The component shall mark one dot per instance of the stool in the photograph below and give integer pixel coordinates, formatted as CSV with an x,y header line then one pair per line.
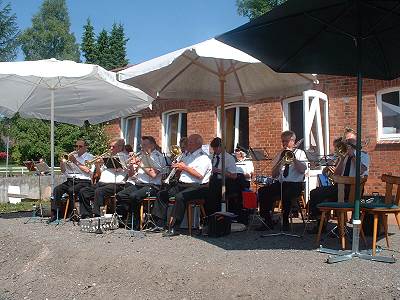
x,y
149,201
67,206
189,211
110,204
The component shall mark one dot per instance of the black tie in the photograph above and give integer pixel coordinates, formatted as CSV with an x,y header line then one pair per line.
x,y
286,171
216,162
347,167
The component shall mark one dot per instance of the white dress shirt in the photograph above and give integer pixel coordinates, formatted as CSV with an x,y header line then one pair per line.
x,y
73,171
230,164
245,167
155,160
199,161
293,175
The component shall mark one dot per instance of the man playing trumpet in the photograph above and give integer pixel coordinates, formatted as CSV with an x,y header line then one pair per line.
x,y
144,177
112,180
288,166
78,175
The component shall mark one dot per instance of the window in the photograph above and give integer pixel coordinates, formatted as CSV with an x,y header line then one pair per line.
x,y
174,128
388,102
132,131
293,116
237,126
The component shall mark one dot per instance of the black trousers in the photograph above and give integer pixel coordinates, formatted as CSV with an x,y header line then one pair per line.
x,y
213,203
132,195
96,194
269,194
70,187
183,193
319,195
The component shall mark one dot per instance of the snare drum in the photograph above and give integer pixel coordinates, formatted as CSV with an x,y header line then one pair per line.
x,y
265,180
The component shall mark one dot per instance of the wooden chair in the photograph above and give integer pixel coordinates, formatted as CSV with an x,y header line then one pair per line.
x,y
342,207
189,211
390,206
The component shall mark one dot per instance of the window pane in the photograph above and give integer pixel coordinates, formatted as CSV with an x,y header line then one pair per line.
x,y
296,120
173,129
391,113
139,134
244,127
184,125
230,129
130,132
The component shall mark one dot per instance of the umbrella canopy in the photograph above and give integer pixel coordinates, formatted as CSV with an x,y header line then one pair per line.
x,y
337,37
65,91
81,92
212,71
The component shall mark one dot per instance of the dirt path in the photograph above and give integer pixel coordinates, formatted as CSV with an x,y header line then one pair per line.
x,y
41,261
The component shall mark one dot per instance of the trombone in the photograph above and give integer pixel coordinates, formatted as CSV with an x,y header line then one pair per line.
x,y
89,163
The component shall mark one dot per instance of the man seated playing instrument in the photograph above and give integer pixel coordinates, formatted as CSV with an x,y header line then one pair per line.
x,y
111,181
195,170
290,175
346,166
78,175
215,189
144,180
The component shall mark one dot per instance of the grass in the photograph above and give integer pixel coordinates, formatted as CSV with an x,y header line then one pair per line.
x,y
25,205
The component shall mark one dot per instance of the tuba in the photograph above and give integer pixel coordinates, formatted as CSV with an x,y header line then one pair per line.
x,y
176,152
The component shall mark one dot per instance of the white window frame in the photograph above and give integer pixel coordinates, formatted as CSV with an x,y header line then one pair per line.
x,y
237,106
285,106
124,129
382,136
165,124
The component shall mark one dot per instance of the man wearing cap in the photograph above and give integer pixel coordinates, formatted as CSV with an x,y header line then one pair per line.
x,y
244,167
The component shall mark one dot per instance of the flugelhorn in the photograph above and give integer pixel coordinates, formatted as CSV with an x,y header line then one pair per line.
x,y
176,152
89,163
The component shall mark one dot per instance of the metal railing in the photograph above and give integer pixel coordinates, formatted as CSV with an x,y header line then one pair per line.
x,y
21,170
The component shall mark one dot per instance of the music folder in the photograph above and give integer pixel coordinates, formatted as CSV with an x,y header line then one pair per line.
x,y
112,162
30,165
257,154
42,167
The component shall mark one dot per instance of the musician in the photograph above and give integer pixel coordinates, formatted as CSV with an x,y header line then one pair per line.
x,y
215,189
111,181
195,170
289,185
244,167
144,178
78,175
183,145
346,166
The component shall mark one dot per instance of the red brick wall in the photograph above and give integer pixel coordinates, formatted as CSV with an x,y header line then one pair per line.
x,y
265,122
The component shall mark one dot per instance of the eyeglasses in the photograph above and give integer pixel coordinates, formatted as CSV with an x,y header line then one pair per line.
x,y
79,146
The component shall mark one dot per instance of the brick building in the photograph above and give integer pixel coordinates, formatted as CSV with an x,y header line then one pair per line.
x,y
259,123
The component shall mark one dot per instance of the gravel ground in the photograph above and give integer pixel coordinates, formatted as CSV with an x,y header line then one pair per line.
x,y
40,261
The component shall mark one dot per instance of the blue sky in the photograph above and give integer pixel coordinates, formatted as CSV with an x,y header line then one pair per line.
x,y
153,27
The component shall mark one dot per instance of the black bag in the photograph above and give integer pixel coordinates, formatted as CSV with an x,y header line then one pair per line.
x,y
218,225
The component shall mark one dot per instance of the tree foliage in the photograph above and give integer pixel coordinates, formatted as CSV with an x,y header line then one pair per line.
x,y
255,8
118,47
88,45
50,34
8,33
30,138
103,50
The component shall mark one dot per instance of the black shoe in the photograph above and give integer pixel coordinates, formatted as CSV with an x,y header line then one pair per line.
x,y
170,233
51,219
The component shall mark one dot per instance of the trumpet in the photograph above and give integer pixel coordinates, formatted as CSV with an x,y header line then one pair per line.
x,y
64,157
176,152
89,163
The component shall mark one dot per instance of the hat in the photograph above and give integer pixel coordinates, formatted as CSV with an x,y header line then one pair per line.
x,y
240,148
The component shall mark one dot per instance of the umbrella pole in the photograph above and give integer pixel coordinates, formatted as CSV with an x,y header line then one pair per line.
x,y
52,139
223,128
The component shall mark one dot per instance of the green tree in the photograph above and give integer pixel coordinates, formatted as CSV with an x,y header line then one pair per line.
x,y
50,34
103,50
88,45
118,47
8,33
255,8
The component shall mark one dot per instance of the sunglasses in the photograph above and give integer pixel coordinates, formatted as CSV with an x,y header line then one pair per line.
x,y
79,146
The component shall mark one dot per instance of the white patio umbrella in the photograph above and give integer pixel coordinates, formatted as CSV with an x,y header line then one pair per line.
x,y
212,71
65,91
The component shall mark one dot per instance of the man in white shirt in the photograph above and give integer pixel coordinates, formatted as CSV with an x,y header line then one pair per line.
x,y
112,180
78,175
144,178
195,169
244,167
346,166
289,186
215,188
